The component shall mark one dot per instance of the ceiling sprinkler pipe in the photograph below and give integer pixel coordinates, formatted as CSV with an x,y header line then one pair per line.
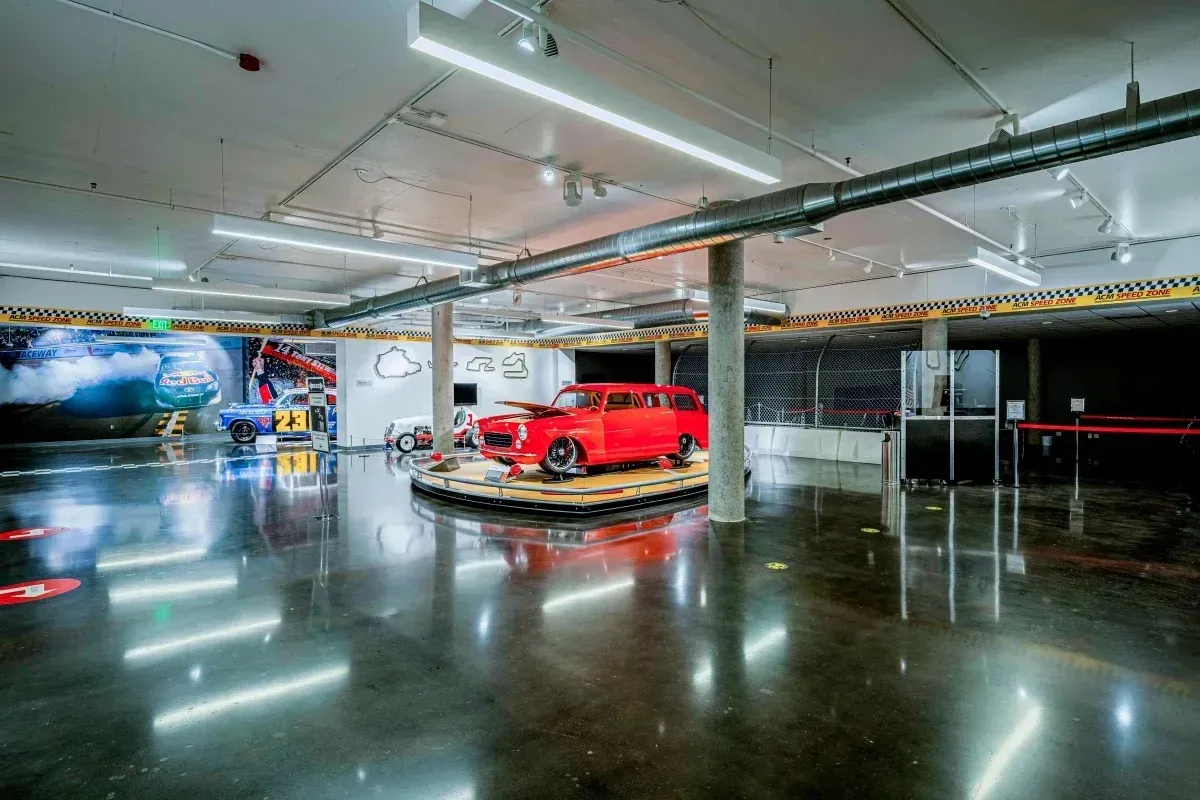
x,y
1159,121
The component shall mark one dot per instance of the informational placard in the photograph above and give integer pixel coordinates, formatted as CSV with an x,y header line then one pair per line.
x,y
495,474
1014,410
1077,404
318,413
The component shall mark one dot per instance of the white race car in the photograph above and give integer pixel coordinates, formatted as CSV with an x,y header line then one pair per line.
x,y
410,433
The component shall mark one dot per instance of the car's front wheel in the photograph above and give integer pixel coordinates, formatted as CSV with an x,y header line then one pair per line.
x,y
406,443
471,440
561,456
243,432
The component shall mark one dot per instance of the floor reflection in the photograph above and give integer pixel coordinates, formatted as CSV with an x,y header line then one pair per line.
x,y
234,635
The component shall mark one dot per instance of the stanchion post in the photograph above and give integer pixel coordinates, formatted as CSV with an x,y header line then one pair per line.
x,y
1016,455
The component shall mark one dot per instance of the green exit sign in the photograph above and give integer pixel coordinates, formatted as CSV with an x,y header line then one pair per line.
x,y
160,324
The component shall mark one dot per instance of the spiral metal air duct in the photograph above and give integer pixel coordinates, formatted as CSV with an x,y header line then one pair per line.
x,y
1157,121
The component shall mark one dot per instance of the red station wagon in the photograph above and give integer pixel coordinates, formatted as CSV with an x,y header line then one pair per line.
x,y
592,424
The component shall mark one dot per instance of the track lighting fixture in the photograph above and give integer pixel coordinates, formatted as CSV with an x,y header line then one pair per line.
x,y
1060,173
1021,260
1122,253
529,38
870,265
778,238
598,188
899,273
1077,200
1106,227
375,232
573,189
547,43
831,256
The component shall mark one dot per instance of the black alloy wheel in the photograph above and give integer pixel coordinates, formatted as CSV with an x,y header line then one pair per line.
x,y
561,455
687,446
243,432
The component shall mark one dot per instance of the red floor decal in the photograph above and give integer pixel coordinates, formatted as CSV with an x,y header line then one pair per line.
x,y
29,533
36,590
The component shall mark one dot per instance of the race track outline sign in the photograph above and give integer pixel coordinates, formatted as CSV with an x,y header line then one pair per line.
x,y
31,591
318,413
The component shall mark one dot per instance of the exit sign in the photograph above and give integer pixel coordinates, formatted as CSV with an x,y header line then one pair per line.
x,y
160,324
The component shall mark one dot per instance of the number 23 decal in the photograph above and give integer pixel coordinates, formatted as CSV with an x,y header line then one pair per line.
x,y
291,421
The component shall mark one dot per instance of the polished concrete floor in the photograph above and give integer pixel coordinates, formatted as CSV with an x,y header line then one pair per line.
x,y
226,642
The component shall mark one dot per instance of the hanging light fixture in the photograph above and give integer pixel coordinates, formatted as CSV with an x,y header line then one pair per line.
x,y
1061,173
529,40
1077,200
831,256
1106,227
870,265
1122,253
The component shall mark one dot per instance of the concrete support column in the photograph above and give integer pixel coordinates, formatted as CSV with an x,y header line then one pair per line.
x,y
1033,380
935,372
662,363
726,383
443,378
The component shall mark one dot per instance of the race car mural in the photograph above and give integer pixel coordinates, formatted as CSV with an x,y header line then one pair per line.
x,y
183,380
286,416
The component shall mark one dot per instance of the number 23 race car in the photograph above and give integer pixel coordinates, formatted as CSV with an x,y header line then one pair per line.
x,y
287,416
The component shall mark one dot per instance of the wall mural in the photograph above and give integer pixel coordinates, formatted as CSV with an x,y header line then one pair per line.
x,y
274,365
61,384
517,361
395,363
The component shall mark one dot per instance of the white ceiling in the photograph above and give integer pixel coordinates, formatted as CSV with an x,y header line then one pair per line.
x,y
84,99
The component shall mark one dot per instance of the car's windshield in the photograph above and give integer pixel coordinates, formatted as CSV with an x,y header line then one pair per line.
x,y
183,363
577,399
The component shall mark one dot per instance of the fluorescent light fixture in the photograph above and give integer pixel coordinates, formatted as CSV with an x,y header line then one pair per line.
x,y
299,236
208,316
1008,748
1004,268
72,271
164,590
595,322
195,712
250,292
441,35
586,594
172,646
748,303
143,557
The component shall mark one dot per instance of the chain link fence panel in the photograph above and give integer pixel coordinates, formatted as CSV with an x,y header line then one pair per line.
x,y
831,381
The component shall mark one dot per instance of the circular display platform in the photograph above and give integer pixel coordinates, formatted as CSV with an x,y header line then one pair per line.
x,y
464,479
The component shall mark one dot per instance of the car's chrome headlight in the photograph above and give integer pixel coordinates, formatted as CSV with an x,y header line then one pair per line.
x,y
522,432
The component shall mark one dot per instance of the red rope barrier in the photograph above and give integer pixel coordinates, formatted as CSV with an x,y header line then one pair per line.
x,y
1039,426
1138,419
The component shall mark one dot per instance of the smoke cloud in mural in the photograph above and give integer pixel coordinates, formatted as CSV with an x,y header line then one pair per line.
x,y
58,380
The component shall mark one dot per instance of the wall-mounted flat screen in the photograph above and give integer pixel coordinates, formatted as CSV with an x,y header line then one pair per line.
x,y
466,394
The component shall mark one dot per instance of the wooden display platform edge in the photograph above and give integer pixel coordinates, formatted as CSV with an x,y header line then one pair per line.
x,y
525,498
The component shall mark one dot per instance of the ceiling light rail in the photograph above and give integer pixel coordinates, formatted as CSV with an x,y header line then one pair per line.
x,y
1159,121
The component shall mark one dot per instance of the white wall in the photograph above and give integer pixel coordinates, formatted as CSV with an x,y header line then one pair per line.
x,y
367,402
828,444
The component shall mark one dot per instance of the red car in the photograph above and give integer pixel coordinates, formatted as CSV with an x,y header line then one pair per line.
x,y
592,424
